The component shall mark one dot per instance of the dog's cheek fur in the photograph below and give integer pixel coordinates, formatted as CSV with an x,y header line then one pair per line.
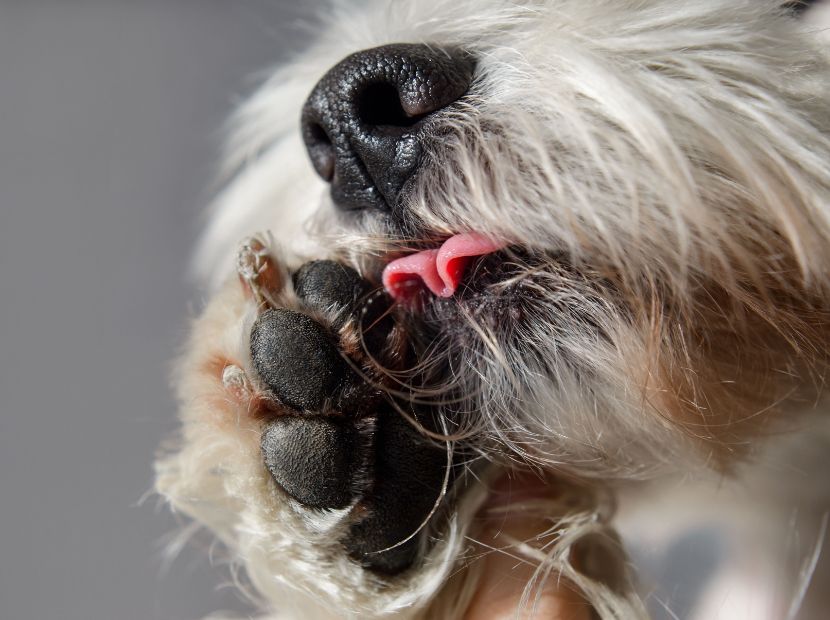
x,y
739,371
600,383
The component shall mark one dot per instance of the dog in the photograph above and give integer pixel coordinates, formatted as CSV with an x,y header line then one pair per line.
x,y
484,272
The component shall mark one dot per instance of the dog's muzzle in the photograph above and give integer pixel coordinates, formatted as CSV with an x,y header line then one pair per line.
x,y
366,120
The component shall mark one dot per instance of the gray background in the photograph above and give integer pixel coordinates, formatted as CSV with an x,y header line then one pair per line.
x,y
110,117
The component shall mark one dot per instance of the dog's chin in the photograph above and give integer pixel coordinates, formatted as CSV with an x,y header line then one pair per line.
x,y
614,363
497,294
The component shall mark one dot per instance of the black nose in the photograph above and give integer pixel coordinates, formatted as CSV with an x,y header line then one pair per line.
x,y
365,122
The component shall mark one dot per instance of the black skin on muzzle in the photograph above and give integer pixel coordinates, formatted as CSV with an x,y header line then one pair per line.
x,y
366,121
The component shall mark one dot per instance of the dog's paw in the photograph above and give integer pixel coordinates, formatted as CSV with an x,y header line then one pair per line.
x,y
309,448
333,437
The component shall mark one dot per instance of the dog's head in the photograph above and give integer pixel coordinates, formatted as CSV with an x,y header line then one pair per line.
x,y
609,222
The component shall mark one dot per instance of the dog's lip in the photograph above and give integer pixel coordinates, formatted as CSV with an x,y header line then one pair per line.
x,y
439,269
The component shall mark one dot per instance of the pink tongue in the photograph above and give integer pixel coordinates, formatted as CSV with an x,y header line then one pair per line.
x,y
439,270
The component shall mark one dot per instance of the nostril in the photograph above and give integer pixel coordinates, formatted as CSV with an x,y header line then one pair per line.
x,y
379,105
320,149
319,135
365,122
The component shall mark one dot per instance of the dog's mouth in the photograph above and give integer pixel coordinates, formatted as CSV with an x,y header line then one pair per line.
x,y
440,271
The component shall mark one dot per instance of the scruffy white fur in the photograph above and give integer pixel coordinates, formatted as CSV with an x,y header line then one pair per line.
x,y
666,163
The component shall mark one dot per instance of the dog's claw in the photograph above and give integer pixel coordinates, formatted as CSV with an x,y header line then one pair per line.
x,y
257,272
236,383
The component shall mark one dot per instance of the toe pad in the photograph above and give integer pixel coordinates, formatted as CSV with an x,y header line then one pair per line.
x,y
296,358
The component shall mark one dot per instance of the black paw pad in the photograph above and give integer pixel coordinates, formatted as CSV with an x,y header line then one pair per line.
x,y
338,289
326,285
296,358
336,440
410,476
315,460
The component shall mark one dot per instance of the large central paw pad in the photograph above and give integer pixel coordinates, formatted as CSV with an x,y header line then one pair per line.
x,y
334,438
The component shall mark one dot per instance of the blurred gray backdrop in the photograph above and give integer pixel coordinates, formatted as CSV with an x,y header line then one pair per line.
x,y
110,118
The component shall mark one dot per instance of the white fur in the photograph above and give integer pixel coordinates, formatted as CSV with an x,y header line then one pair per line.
x,y
660,154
